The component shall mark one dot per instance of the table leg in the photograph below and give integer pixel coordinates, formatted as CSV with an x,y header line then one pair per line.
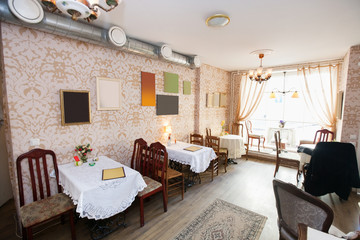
x,y
101,228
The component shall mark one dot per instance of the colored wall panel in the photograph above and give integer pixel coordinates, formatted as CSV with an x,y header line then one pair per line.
x,y
147,89
187,88
167,105
171,82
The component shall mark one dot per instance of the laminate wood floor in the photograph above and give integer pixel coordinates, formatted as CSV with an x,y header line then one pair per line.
x,y
247,184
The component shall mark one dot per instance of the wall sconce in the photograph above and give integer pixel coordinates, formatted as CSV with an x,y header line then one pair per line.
x,y
275,90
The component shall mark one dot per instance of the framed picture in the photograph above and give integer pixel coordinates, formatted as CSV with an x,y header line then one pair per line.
x,y
216,100
222,99
108,93
75,107
209,100
167,105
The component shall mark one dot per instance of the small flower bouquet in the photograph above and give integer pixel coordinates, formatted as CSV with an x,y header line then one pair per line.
x,y
83,150
222,128
282,124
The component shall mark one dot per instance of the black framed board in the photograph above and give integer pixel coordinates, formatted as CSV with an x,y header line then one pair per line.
x,y
75,107
167,105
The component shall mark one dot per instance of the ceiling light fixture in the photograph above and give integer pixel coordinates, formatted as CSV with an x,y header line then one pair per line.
x,y
294,95
218,20
87,9
260,76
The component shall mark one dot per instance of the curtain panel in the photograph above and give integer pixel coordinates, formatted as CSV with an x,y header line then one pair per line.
x,y
319,86
250,94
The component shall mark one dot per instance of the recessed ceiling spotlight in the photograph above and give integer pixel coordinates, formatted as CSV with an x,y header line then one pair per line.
x,y
218,20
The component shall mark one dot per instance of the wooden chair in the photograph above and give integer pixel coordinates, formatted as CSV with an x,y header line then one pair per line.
x,y
196,139
252,136
295,206
288,161
321,135
45,205
238,129
151,163
174,180
208,131
214,143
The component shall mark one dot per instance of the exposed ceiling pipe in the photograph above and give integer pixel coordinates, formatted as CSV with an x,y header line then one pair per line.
x,y
66,27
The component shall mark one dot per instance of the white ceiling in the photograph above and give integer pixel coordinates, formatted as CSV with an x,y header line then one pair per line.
x,y
297,31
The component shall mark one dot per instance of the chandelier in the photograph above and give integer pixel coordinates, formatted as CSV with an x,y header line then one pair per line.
x,y
275,90
87,9
260,76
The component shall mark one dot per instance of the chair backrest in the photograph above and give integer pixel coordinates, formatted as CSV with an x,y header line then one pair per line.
x,y
277,143
248,126
323,136
158,161
137,158
213,142
295,206
196,139
208,132
39,162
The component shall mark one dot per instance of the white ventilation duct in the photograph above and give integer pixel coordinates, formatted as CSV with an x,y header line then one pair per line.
x,y
29,13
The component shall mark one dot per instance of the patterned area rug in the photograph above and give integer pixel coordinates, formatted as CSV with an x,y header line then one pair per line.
x,y
223,220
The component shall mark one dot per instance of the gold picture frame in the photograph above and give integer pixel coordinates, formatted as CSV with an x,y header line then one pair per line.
x,y
75,107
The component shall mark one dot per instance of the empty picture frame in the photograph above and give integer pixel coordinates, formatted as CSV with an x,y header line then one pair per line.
x,y
167,105
187,88
75,107
171,82
223,99
108,93
216,100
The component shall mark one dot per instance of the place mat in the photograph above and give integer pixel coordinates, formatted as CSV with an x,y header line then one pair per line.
x,y
223,220
192,148
113,173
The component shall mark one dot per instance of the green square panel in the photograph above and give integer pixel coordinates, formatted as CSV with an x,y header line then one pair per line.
x,y
187,88
171,82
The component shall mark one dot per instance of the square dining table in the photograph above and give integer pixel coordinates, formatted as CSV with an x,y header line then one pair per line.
x,y
96,198
198,160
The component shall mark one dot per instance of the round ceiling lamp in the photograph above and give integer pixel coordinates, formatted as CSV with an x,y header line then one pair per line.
x,y
218,20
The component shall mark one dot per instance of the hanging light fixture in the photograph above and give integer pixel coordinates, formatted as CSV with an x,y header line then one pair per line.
x,y
87,9
260,75
275,90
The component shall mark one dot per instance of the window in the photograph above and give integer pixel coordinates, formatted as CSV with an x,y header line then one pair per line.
x,y
299,121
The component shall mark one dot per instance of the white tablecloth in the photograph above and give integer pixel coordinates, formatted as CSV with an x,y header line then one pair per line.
x,y
234,145
199,160
95,198
287,135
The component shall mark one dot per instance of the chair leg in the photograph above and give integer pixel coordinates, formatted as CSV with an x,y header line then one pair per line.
x,y
164,200
226,162
259,145
72,225
263,143
212,170
276,169
141,212
29,233
182,192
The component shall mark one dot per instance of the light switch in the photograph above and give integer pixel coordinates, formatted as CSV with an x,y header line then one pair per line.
x,y
352,137
34,142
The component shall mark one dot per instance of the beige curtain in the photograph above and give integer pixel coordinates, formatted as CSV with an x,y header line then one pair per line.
x,y
319,86
250,94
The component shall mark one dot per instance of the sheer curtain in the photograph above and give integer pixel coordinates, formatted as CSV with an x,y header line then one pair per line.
x,y
250,94
319,85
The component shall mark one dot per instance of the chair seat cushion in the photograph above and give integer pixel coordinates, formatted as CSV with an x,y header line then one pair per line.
x,y
223,150
151,186
44,209
256,136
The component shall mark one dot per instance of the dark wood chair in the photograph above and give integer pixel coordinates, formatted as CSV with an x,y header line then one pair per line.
x,y
208,131
286,161
149,162
214,143
238,129
251,135
196,139
174,180
323,136
35,167
295,206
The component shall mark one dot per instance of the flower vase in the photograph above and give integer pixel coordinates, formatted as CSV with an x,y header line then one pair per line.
x,y
281,125
84,159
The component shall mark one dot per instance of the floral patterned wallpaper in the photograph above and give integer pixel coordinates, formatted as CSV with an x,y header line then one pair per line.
x,y
37,65
351,114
